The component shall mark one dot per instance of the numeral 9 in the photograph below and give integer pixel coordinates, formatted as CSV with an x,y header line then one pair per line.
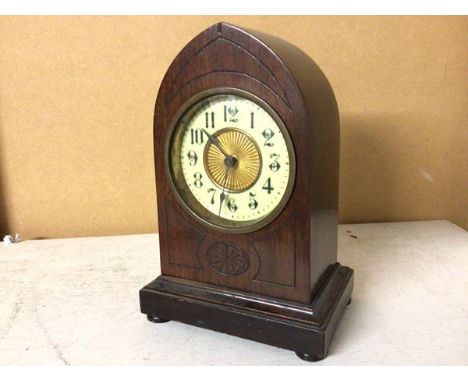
x,y
192,157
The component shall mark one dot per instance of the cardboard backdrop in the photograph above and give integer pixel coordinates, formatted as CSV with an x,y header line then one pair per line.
x,y
76,110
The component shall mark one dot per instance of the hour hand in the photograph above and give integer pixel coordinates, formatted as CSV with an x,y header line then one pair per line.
x,y
213,140
222,196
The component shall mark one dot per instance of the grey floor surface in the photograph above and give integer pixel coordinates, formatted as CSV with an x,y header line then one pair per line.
x,y
75,302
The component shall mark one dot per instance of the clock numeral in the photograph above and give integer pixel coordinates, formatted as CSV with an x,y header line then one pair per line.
x,y
253,204
213,190
197,136
268,134
209,117
230,113
252,116
232,205
267,186
192,157
274,166
198,177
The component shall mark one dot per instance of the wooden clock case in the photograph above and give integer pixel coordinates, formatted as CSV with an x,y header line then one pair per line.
x,y
290,292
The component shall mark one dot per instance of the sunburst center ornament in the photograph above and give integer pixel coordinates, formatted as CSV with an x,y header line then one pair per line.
x,y
248,160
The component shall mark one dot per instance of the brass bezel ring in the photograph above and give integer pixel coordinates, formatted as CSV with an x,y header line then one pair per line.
x,y
177,181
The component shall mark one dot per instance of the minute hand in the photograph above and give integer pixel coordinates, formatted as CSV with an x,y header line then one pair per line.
x,y
215,142
222,196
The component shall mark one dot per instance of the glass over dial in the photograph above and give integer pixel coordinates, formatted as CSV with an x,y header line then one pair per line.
x,y
231,162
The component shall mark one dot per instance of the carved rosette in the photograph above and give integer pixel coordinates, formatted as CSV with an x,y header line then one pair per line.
x,y
227,258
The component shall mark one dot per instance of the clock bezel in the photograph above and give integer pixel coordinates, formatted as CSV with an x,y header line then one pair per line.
x,y
194,207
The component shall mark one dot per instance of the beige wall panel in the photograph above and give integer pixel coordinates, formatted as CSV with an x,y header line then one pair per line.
x,y
77,97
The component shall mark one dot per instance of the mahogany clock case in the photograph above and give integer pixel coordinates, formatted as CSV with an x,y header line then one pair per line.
x,y
290,291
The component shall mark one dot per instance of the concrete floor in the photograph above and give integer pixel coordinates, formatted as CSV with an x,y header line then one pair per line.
x,y
75,302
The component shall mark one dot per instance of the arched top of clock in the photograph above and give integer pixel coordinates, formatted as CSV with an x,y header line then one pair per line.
x,y
225,55
243,55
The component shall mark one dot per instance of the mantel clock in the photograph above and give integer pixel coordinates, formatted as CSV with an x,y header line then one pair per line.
x,y
246,147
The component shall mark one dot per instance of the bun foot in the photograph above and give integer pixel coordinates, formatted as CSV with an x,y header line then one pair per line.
x,y
309,357
156,320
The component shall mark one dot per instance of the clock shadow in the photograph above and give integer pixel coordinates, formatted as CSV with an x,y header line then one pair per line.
x,y
370,191
382,158
395,167
369,167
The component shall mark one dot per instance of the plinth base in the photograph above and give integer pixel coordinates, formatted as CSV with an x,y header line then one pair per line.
x,y
304,329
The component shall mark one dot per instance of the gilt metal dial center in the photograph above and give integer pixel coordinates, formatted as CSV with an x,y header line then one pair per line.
x,y
243,160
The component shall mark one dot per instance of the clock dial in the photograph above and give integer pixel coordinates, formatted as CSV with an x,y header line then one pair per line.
x,y
232,162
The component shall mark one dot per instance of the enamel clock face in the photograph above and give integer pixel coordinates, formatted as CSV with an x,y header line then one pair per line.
x,y
231,162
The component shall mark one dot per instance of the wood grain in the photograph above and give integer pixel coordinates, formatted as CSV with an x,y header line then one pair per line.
x,y
290,82
287,289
